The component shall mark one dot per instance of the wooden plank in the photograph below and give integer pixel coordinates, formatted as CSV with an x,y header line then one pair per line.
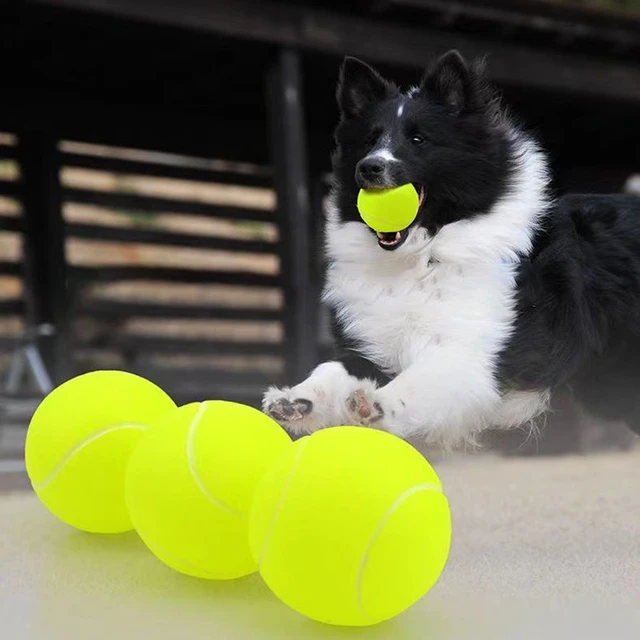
x,y
155,237
137,167
137,202
285,97
166,274
119,309
341,33
146,344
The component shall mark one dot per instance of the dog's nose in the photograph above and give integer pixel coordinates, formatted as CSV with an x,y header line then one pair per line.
x,y
370,170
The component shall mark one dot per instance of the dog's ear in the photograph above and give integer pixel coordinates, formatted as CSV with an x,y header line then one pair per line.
x,y
359,87
449,82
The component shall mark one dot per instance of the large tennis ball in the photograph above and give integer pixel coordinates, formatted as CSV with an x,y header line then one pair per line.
x,y
190,483
389,210
79,442
350,526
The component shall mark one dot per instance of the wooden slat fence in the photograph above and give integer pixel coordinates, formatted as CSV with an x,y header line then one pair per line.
x,y
173,268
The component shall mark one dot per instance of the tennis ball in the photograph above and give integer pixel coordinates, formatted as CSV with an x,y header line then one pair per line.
x,y
79,441
350,526
190,482
389,210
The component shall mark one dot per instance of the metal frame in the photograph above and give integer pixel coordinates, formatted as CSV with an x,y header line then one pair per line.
x,y
45,266
305,28
26,359
289,150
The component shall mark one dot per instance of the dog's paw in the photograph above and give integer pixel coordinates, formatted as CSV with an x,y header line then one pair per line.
x,y
363,409
295,414
285,410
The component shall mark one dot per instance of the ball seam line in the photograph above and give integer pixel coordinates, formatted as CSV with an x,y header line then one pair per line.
x,y
39,486
193,467
397,503
276,511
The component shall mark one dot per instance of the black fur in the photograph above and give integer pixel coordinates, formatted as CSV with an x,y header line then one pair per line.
x,y
579,307
346,351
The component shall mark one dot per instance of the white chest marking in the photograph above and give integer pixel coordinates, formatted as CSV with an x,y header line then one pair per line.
x,y
394,320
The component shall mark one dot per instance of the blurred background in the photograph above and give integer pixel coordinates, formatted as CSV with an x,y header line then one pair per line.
x,y
163,167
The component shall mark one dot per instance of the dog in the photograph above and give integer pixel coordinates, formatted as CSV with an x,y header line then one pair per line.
x,y
496,295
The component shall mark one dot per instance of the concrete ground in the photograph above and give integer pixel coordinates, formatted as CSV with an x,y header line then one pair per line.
x,y
543,548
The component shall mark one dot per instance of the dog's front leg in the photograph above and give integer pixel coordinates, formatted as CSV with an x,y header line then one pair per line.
x,y
444,396
317,402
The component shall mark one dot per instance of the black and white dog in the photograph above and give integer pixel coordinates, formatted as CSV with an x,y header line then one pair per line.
x,y
495,295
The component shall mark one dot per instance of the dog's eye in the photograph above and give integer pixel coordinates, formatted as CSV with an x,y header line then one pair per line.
x,y
417,139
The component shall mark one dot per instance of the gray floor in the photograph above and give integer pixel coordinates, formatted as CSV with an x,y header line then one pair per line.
x,y
544,548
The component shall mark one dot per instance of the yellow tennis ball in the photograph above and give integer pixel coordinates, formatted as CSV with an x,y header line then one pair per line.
x,y
79,441
190,482
350,526
389,210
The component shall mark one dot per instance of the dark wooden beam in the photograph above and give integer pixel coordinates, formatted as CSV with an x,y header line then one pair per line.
x,y
11,307
121,309
9,188
173,375
597,13
11,224
45,267
513,19
165,238
8,268
7,152
160,344
289,149
151,237
102,274
148,127
339,34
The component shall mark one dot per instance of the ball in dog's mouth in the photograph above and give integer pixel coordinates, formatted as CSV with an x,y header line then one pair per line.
x,y
394,239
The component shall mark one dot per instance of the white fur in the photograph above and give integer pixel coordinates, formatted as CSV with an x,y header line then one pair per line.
x,y
434,314
384,154
400,110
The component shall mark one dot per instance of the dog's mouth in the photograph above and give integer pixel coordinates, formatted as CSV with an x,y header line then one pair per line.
x,y
392,240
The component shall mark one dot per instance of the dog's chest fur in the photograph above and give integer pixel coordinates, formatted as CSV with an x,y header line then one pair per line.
x,y
395,306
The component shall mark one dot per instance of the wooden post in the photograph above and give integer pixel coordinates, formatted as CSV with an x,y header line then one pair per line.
x,y
289,154
45,269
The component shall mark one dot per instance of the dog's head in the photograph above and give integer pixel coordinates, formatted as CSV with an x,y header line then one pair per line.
x,y
447,136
